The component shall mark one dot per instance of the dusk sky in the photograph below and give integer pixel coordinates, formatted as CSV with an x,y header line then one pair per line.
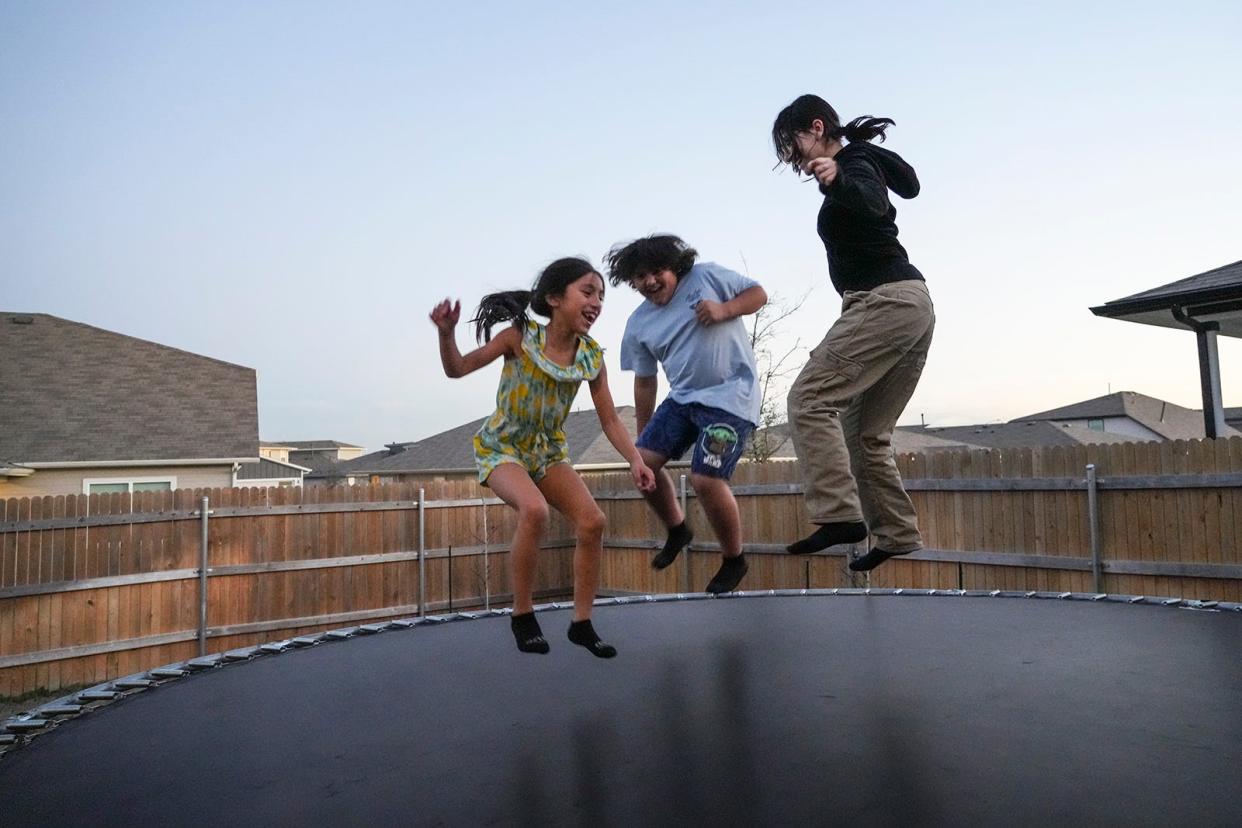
x,y
293,186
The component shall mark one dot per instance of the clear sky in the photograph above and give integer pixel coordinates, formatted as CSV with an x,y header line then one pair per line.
x,y
292,186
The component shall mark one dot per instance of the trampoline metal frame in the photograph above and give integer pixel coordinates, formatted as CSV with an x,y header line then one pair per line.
x,y
20,729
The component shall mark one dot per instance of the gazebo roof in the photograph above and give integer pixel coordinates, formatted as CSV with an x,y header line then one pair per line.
x,y
1213,296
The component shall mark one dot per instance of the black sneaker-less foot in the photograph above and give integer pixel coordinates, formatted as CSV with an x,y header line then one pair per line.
x,y
874,558
829,534
728,576
679,537
527,633
583,634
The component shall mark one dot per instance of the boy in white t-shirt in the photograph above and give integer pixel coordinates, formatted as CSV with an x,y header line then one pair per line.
x,y
691,325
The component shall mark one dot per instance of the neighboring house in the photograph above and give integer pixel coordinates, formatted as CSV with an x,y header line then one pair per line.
x,y
267,473
85,410
451,453
315,455
1131,415
1117,418
1233,416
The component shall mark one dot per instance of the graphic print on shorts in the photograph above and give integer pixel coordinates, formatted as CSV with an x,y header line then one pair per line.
x,y
718,443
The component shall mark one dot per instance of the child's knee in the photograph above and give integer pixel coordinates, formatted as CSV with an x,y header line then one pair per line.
x,y
534,514
593,524
707,484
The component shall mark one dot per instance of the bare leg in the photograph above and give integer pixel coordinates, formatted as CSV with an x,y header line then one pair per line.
x,y
722,512
565,490
664,499
721,508
513,485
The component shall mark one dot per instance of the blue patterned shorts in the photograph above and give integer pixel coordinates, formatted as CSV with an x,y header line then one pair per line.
x,y
718,437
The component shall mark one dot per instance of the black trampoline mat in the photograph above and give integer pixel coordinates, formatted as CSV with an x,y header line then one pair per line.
x,y
749,710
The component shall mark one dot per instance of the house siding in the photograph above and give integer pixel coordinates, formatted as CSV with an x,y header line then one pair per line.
x,y
48,482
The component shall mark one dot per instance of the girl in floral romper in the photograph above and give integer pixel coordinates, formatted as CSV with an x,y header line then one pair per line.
x,y
521,450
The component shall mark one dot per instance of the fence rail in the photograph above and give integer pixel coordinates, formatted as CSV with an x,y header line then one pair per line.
x,y
106,585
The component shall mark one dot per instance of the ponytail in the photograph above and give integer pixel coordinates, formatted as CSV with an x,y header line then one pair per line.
x,y
798,117
511,305
495,308
866,128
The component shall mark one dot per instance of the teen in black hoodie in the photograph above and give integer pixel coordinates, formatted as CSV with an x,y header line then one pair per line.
x,y
846,401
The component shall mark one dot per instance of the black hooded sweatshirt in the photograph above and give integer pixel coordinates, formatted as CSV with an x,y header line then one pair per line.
x,y
857,222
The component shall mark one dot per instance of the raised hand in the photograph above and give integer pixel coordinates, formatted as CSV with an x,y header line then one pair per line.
x,y
445,315
709,312
823,169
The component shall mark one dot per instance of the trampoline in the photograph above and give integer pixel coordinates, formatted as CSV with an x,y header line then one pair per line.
x,y
806,707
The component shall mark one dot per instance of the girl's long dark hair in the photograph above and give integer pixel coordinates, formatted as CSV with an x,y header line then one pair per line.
x,y
511,305
797,117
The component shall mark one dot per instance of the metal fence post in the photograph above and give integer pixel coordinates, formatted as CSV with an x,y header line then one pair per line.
x,y
202,579
487,580
422,556
685,556
1093,514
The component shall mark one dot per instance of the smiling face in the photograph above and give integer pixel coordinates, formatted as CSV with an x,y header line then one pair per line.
x,y
581,303
658,287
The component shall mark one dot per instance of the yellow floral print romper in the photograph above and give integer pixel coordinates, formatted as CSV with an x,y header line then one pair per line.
x,y
531,405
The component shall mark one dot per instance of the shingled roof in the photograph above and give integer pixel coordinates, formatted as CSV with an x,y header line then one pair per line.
x,y
1169,420
76,393
453,450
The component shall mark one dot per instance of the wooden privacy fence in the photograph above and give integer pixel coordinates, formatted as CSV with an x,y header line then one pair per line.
x,y
1131,518
97,587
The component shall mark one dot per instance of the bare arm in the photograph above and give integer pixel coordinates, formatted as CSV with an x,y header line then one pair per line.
x,y
616,433
645,390
456,364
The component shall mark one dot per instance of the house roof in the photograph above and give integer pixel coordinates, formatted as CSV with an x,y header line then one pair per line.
x,y
313,445
268,469
905,439
1169,420
453,449
76,393
1214,295
1019,435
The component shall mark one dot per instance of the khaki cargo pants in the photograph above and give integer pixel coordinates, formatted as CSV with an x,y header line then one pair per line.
x,y
845,403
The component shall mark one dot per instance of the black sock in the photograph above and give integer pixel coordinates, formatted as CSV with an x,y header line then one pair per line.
x,y
583,634
728,576
874,558
829,534
678,537
527,633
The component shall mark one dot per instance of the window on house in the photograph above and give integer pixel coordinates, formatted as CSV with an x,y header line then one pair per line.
x,y
115,485
1095,425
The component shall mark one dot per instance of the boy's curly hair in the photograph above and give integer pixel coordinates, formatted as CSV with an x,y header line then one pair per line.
x,y
649,255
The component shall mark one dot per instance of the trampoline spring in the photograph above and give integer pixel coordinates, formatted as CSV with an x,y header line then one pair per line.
x,y
60,710
133,684
206,663
7,739
1065,596
371,629
97,695
1137,599
274,647
305,641
167,673
25,725
1099,596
